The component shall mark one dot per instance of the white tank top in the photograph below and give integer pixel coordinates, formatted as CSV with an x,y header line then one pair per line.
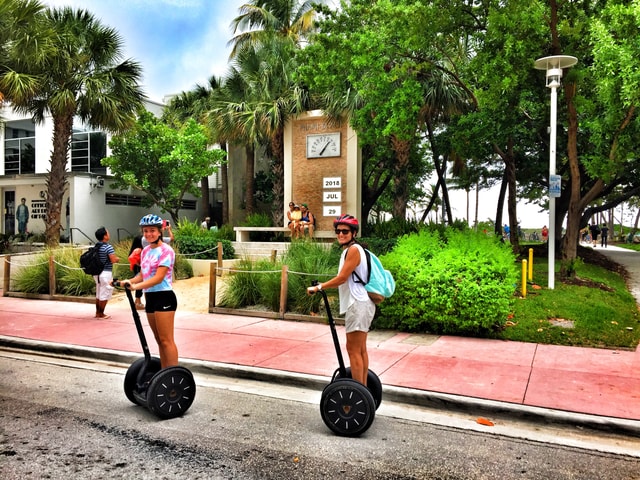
x,y
351,291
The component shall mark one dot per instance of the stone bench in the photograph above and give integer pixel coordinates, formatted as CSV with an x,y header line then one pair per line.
x,y
242,233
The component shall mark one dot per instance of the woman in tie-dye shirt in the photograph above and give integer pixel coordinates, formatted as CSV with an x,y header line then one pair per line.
x,y
155,279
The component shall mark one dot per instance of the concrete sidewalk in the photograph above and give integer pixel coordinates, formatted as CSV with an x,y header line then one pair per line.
x,y
582,386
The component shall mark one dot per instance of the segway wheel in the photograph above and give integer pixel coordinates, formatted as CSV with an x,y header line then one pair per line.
x,y
373,384
171,392
347,407
131,377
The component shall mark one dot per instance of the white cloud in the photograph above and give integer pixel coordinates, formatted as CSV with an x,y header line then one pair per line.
x,y
179,43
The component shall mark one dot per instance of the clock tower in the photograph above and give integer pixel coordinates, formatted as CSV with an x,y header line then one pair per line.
x,y
322,168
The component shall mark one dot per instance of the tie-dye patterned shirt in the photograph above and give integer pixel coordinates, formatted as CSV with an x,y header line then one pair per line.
x,y
151,259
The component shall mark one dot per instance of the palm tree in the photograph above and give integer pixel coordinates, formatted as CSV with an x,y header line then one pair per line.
x,y
272,31
260,19
78,75
21,31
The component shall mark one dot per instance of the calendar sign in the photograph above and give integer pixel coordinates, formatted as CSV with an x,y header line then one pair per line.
x,y
332,196
332,182
329,211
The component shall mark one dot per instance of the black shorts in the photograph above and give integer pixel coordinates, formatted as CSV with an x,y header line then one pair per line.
x,y
164,301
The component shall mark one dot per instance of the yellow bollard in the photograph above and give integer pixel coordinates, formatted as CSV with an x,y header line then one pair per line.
x,y
531,264
524,278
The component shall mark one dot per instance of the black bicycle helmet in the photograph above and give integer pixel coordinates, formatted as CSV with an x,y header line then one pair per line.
x,y
349,220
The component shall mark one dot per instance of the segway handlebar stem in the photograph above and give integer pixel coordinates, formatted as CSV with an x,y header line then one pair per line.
x,y
136,318
334,332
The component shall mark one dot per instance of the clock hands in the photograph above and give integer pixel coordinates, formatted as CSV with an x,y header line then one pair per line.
x,y
324,148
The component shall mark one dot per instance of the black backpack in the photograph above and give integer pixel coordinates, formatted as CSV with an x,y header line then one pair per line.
x,y
90,261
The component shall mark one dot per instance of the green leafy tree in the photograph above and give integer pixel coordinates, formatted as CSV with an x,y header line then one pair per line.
x,y
162,162
194,104
74,71
402,71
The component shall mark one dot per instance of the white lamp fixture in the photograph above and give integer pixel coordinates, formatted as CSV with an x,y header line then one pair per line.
x,y
553,66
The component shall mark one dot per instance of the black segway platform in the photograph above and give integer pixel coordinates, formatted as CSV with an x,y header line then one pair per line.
x,y
347,407
168,392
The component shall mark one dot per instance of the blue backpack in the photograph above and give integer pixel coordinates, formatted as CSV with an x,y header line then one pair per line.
x,y
380,283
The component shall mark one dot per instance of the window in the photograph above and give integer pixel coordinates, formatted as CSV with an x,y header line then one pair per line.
x,y
19,147
87,150
123,199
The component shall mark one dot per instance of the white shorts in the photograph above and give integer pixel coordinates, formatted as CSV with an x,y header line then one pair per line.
x,y
359,316
104,289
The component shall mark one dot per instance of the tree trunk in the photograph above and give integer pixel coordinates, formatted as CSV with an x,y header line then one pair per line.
x,y
500,208
204,195
510,171
475,221
277,167
57,178
224,180
249,179
402,149
432,202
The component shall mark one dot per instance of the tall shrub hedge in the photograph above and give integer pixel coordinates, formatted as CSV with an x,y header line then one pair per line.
x,y
453,283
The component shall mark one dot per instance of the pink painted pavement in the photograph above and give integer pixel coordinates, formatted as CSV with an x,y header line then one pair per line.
x,y
584,380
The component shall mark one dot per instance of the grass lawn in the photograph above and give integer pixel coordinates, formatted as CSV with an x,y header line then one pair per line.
x,y
596,311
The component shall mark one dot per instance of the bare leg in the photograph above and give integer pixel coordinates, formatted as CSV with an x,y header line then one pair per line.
x,y
161,324
358,356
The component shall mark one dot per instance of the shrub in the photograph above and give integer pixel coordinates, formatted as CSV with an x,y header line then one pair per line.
x,y
203,247
243,286
460,284
308,261
259,220
70,279
192,241
258,283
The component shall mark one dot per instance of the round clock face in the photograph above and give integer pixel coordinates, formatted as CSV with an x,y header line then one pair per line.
x,y
323,145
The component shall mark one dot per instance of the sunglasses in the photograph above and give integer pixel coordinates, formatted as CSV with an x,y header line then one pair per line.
x,y
343,231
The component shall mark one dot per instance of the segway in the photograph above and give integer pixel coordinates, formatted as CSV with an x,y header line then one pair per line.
x,y
346,406
165,392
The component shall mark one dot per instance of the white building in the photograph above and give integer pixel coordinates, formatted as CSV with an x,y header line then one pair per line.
x,y
90,203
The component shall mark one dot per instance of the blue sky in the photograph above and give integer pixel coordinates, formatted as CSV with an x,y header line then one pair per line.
x,y
179,43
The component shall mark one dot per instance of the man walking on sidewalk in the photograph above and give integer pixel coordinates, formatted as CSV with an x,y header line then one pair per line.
x,y
104,289
604,231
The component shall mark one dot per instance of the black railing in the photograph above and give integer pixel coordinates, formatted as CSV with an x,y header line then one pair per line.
x,y
122,228
71,235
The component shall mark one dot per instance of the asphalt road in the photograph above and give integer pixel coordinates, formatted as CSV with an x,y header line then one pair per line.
x,y
69,419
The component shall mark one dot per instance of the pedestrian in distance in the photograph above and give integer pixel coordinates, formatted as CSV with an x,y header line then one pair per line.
x,y
595,231
545,234
22,215
355,303
156,280
604,232
134,264
104,287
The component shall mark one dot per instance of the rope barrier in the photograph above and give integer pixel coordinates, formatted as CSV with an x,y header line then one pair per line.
x,y
236,270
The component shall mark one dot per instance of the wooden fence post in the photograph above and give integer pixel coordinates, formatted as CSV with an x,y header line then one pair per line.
x,y
52,276
7,275
212,286
219,258
284,282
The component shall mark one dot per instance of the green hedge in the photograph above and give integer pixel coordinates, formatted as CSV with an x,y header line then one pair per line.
x,y
459,283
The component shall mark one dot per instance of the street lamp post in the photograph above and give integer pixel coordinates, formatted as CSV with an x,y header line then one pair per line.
x,y
553,66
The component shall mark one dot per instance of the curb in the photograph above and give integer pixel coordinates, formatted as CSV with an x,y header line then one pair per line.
x,y
422,398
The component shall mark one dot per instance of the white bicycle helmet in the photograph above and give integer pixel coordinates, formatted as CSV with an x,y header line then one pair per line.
x,y
151,220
